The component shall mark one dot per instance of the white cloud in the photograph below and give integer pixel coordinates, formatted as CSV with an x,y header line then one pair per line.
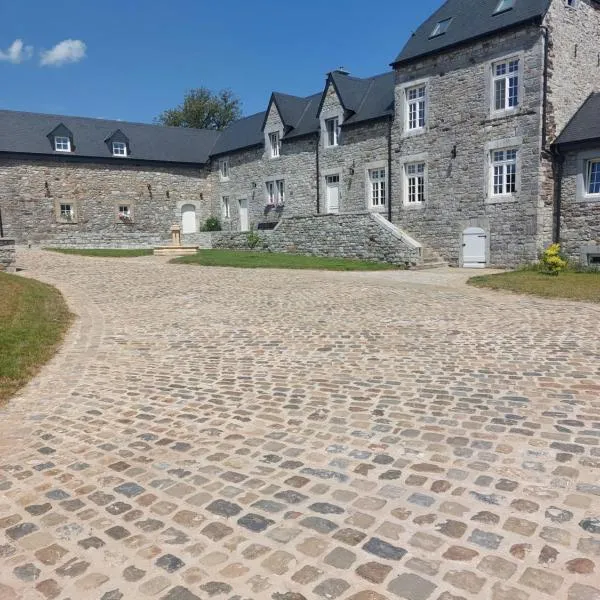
x,y
67,51
16,53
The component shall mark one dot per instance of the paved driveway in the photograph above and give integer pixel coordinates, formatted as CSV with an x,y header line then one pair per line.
x,y
229,434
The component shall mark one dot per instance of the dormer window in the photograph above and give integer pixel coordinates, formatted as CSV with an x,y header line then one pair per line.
x,y
503,6
274,144
62,143
441,27
119,149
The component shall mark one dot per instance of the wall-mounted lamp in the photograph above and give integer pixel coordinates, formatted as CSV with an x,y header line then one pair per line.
x,y
168,194
453,153
253,184
149,189
47,187
351,171
201,196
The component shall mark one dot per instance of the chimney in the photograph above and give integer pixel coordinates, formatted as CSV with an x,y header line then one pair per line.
x,y
341,71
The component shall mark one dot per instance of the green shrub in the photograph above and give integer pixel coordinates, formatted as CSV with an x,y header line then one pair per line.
x,y
211,224
253,239
552,262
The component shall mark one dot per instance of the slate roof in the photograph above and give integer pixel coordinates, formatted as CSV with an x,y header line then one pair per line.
x,y
27,133
377,100
309,120
585,124
471,19
243,133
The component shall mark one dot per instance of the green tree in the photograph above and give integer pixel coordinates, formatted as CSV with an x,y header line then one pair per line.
x,y
203,109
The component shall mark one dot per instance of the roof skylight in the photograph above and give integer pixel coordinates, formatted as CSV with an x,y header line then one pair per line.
x,y
441,27
504,5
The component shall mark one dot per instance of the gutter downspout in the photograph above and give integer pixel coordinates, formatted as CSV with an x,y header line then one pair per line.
x,y
389,169
558,169
318,168
1,226
546,35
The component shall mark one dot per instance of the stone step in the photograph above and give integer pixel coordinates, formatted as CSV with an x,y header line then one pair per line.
x,y
431,264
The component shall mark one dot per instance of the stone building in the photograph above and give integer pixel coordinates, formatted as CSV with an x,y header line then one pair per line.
x,y
479,145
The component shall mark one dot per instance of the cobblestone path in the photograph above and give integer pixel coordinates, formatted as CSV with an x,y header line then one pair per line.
x,y
282,435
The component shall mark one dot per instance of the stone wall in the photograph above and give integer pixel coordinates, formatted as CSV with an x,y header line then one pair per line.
x,y
32,190
364,235
580,217
250,169
573,67
456,145
8,255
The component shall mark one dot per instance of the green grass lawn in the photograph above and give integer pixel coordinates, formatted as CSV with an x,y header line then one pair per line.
x,y
104,252
33,319
569,284
268,260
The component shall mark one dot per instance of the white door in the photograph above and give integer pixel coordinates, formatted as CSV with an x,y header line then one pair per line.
x,y
333,193
474,248
243,208
188,218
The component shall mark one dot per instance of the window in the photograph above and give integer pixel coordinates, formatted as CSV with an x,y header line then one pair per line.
x,y
275,192
415,183
225,207
224,169
332,132
441,27
503,6
124,213
62,144
377,181
274,144
67,212
504,172
592,185
505,78
119,149
415,108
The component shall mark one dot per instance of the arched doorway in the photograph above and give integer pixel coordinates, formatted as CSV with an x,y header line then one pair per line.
x,y
474,248
188,218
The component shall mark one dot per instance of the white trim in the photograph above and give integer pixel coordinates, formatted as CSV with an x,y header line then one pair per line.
x,y
491,88
224,167
583,160
226,207
60,139
514,143
124,148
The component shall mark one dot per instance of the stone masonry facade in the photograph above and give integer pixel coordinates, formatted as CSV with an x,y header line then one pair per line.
x,y
370,163
32,192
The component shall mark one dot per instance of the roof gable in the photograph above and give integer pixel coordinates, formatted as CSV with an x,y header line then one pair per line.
x,y
471,19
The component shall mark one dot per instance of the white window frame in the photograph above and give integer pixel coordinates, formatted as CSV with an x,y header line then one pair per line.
x,y
119,149
504,172
589,164
377,186
224,169
441,27
62,143
506,78
64,213
225,208
275,192
584,161
274,144
415,107
124,213
332,134
415,170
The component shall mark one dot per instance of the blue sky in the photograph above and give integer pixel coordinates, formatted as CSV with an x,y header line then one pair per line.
x,y
130,59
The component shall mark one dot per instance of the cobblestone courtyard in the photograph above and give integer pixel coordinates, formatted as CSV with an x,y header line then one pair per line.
x,y
285,435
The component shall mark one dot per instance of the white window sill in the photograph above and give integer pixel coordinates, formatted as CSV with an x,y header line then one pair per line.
x,y
501,199
67,221
223,179
414,132
505,112
591,198
414,205
331,147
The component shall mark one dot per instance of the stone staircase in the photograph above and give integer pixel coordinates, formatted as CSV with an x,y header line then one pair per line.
x,y
430,259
